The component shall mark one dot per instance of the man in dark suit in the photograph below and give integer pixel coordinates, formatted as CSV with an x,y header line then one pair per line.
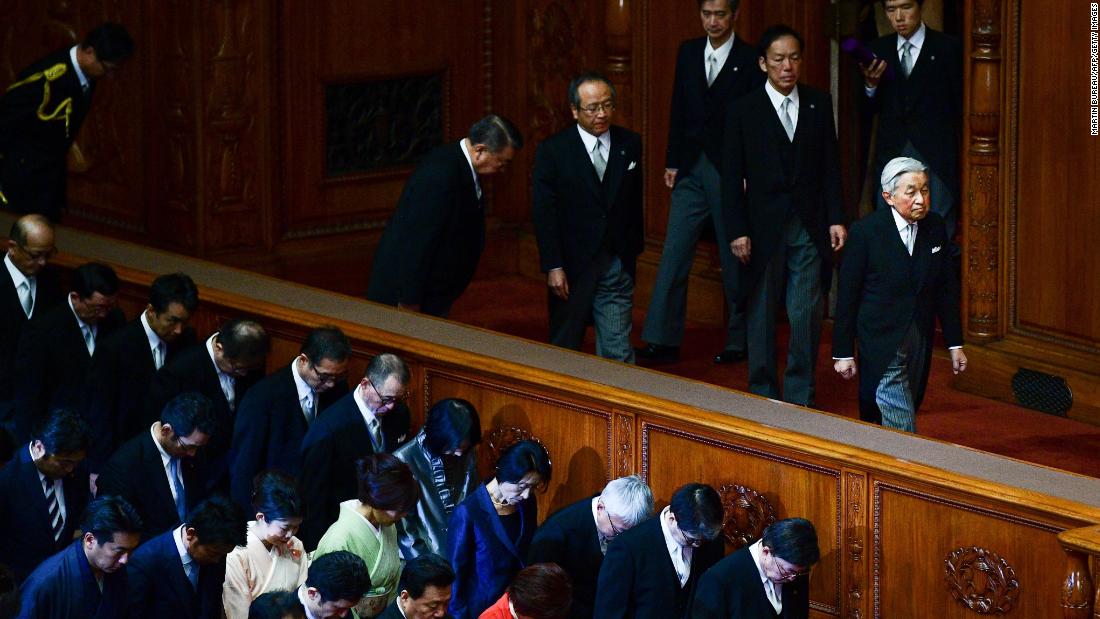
x,y
576,537
895,280
371,419
123,365
587,209
55,349
782,197
27,289
222,369
180,573
711,73
652,570
424,589
157,471
919,110
45,488
335,584
769,578
41,114
430,248
276,413
87,579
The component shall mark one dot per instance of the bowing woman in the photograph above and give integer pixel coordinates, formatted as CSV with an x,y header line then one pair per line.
x,y
387,492
491,530
273,559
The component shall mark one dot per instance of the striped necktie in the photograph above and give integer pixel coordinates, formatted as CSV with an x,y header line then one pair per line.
x,y
57,523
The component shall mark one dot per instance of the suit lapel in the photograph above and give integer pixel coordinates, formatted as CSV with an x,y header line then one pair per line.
x,y
616,166
925,65
489,515
922,255
583,160
176,577
155,468
73,336
33,492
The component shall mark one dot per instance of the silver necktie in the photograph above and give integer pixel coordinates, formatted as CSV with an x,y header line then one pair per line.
x,y
906,58
785,116
712,63
598,160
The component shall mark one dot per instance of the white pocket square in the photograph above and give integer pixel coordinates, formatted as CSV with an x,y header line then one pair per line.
x,y
937,248
633,164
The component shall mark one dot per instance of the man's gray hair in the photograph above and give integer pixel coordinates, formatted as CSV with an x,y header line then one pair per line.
x,y
385,365
897,168
629,499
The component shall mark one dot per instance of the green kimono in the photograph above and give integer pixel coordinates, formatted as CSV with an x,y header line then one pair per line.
x,y
376,547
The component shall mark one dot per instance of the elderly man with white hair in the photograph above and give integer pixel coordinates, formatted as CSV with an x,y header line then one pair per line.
x,y
576,536
896,279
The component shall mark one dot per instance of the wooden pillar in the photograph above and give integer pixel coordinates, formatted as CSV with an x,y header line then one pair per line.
x,y
619,58
1077,588
981,204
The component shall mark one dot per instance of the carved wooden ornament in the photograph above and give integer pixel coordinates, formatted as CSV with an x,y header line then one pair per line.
x,y
746,514
501,439
981,580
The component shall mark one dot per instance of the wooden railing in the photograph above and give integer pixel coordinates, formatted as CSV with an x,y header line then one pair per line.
x,y
908,527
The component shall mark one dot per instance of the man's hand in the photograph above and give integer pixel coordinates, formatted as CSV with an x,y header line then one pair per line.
x,y
555,279
845,367
958,360
873,73
741,248
837,236
670,177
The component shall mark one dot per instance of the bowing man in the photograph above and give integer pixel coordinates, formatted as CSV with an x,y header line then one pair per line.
x,y
87,580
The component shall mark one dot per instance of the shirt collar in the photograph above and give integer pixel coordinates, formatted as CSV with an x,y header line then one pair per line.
x,y
776,97
17,276
303,387
917,40
84,83
304,599
666,530
154,339
596,517
164,457
465,145
899,221
177,536
367,413
83,325
590,140
757,552
210,351
723,50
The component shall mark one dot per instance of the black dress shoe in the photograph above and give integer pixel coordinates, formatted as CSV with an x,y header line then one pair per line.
x,y
658,353
729,356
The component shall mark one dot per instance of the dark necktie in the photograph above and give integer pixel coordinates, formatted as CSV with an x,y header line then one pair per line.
x,y
57,523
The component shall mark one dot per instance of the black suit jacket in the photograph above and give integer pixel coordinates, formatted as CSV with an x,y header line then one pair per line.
x,y
33,150
697,119
883,290
269,429
570,539
159,587
732,589
136,473
117,388
924,108
430,248
13,320
329,451
783,178
26,537
575,214
51,364
637,578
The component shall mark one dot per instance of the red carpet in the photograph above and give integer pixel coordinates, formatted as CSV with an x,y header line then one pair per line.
x,y
517,306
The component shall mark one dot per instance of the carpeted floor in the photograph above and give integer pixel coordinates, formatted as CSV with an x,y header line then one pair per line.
x,y
517,306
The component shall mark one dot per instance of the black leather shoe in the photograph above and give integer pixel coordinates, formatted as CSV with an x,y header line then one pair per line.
x,y
729,356
657,353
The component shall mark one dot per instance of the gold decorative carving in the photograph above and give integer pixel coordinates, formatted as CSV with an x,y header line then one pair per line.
x,y
854,527
981,580
500,439
746,514
625,436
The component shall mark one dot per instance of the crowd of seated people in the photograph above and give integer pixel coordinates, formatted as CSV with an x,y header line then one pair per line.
x,y
126,491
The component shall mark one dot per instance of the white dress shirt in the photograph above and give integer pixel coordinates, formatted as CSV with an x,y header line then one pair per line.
x,y
185,557
777,97
227,382
155,343
465,145
18,280
772,590
166,462
590,140
306,396
58,488
681,555
374,425
85,328
596,517
916,42
720,55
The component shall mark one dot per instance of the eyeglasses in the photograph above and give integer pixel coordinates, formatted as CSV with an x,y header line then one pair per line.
x,y
784,574
614,529
595,108
187,447
692,540
386,400
327,377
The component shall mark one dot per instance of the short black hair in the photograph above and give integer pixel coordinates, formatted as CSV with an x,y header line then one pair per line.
x,y
794,540
111,42
382,366
243,339
451,422
326,343
386,483
522,458
587,76
64,432
173,288
773,34
424,570
733,4
92,277
276,605
190,411
339,576
698,510
276,496
218,521
110,514
496,133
